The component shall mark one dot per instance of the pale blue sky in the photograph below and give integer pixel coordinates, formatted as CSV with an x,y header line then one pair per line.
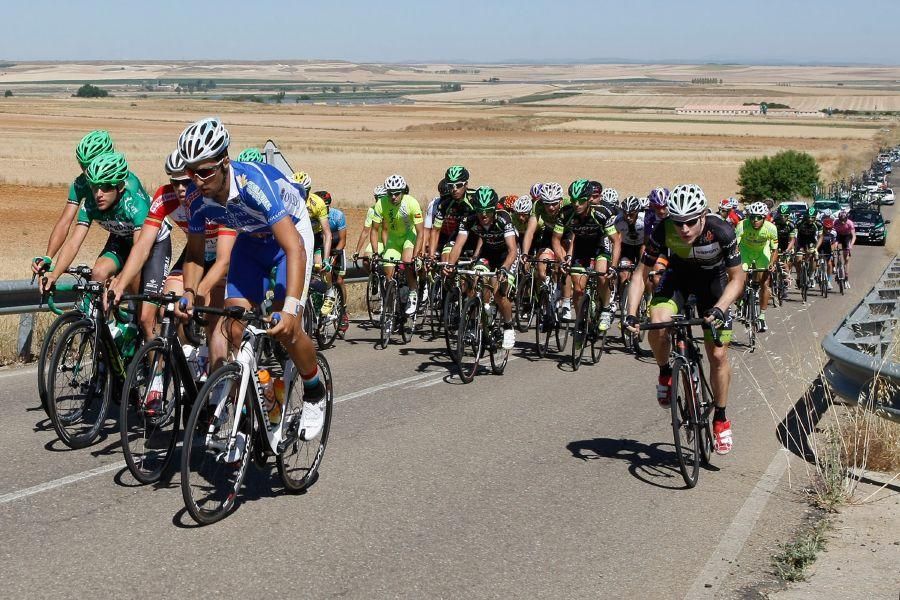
x,y
467,30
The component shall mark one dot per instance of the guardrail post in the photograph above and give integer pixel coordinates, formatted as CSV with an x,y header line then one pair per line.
x,y
26,335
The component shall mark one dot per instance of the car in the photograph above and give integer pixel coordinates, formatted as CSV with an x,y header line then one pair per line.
x,y
870,225
885,196
796,208
822,205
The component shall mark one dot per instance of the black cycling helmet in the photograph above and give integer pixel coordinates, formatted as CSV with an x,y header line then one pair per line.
x,y
485,200
325,196
596,187
456,174
444,188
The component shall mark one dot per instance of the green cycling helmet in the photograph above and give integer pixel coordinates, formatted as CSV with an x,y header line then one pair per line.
x,y
250,155
783,209
580,190
107,169
456,174
485,200
811,211
93,145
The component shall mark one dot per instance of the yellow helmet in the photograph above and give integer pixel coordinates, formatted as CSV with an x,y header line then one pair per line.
x,y
303,179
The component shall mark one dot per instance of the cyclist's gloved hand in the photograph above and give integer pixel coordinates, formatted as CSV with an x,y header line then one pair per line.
x,y
418,263
185,306
503,274
39,264
716,317
326,265
631,323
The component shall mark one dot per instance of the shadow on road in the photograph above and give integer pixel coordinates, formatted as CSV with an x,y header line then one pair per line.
x,y
796,430
654,464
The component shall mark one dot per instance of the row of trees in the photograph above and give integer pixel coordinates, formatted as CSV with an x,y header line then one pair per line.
x,y
707,80
784,176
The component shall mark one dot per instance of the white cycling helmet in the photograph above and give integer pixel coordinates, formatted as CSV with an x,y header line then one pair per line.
x,y
523,204
536,191
733,202
203,140
686,202
826,213
758,209
395,183
174,163
644,202
379,191
631,204
551,193
610,196
303,179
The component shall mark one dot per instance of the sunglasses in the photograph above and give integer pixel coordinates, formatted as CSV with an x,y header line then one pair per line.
x,y
180,182
204,173
105,187
459,185
756,218
395,192
485,212
688,223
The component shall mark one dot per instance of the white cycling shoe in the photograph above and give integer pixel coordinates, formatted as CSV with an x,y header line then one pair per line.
x,y
509,339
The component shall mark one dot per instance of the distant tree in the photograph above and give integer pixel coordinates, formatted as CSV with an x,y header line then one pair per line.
x,y
7,94
210,84
336,89
355,87
783,176
91,91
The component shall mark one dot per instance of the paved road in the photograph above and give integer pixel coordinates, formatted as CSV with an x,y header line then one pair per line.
x,y
541,482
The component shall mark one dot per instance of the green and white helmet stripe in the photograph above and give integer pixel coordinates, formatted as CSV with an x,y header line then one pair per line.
x,y
107,169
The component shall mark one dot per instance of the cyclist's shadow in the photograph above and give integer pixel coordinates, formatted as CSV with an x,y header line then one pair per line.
x,y
649,463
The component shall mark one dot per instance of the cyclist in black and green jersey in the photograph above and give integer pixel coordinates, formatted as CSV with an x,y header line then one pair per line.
x,y
92,145
787,237
454,207
120,210
704,261
589,226
808,230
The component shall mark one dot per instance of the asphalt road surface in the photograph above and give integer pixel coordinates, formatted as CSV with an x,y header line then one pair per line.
x,y
540,482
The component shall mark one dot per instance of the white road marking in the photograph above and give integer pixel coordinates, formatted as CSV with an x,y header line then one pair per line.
x,y
736,535
43,487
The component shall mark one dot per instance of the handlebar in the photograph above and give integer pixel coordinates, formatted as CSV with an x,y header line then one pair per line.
x,y
680,321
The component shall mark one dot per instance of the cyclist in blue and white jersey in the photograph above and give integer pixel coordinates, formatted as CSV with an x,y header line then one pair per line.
x,y
273,235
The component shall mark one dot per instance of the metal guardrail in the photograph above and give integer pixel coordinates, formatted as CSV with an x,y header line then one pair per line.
x,y
21,297
863,369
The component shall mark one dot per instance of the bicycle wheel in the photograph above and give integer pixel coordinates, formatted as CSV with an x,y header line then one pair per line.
x,y
803,282
451,318
823,279
775,283
299,460
598,340
423,311
499,356
561,333
705,418
545,318
469,339
148,425
524,302
637,339
839,273
388,312
685,426
329,325
752,322
437,305
79,385
373,298
51,339
581,332
218,443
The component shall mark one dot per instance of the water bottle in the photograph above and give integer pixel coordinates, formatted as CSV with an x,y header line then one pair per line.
x,y
203,362
190,353
124,335
268,389
275,413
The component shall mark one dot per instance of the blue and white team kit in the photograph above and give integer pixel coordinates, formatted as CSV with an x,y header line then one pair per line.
x,y
260,196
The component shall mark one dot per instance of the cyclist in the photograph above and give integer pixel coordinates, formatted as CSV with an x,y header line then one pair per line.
x,y
318,216
807,240
825,246
535,191
120,210
846,237
758,243
787,236
538,237
400,216
658,209
337,223
728,212
273,235
520,215
251,155
589,225
91,146
704,261
451,211
429,249
363,244
498,252
630,225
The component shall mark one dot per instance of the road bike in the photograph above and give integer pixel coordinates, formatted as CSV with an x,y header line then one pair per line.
x,y
633,342
87,364
691,397
749,305
840,270
230,423
779,280
527,288
324,328
587,320
480,327
394,296
804,274
821,274
547,323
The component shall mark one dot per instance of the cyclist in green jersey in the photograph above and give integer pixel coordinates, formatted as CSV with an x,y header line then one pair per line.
x,y
400,217
120,211
538,237
758,244
92,145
